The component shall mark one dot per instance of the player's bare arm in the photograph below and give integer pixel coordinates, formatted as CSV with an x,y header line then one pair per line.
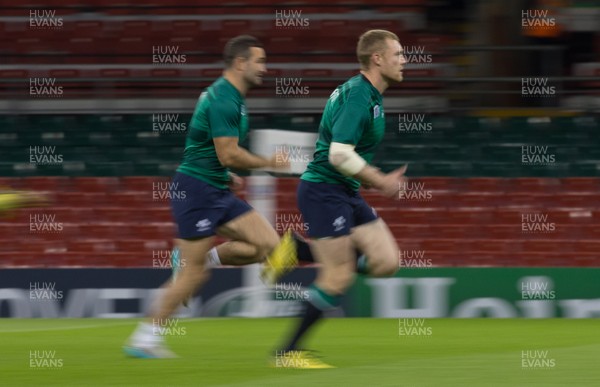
x,y
236,183
348,162
231,155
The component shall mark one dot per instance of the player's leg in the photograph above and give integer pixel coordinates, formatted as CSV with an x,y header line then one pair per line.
x,y
305,254
373,238
235,253
147,341
230,253
191,277
246,226
327,210
335,276
238,253
252,238
196,217
377,242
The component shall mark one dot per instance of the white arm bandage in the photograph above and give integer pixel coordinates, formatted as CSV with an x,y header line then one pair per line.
x,y
345,159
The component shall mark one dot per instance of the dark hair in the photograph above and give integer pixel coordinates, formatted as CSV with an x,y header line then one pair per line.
x,y
239,46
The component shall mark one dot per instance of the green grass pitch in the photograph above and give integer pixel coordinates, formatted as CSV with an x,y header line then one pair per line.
x,y
367,352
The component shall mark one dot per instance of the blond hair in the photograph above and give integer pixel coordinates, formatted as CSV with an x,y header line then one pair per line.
x,y
371,42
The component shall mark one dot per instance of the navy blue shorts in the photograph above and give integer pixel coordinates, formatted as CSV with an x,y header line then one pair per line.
x,y
331,210
201,208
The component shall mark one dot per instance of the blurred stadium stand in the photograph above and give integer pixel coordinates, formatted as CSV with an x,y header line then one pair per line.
x,y
470,161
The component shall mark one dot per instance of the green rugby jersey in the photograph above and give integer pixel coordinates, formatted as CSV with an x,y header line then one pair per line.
x,y
220,112
353,115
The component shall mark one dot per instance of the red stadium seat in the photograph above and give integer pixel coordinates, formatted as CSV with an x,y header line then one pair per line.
x,y
190,27
46,183
580,184
437,183
106,230
10,232
416,231
476,199
143,246
236,26
23,259
449,245
81,199
136,28
212,73
575,200
103,220
157,230
131,199
90,28
118,214
529,184
142,183
91,245
96,184
500,246
482,184
543,245
454,231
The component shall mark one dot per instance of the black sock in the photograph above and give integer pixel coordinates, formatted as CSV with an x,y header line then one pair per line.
x,y
303,249
318,301
310,316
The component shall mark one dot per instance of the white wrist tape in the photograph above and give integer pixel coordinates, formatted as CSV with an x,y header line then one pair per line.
x,y
345,159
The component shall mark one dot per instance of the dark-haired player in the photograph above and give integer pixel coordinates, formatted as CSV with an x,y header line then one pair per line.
x,y
209,207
